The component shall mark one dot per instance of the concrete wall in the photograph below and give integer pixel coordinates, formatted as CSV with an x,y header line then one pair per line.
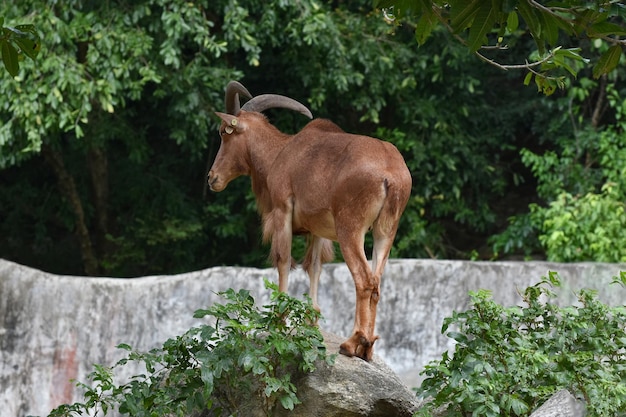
x,y
54,328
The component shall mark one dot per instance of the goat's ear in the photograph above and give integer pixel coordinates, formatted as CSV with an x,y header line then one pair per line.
x,y
231,121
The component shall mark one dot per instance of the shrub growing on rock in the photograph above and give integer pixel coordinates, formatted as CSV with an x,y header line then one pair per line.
x,y
509,360
246,352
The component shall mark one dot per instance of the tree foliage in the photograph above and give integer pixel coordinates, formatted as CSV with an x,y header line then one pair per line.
x,y
484,26
93,96
107,136
580,182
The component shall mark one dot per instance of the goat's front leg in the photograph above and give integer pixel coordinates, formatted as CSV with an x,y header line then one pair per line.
x,y
319,250
279,226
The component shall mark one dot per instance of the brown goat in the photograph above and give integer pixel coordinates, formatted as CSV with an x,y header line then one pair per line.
x,y
322,182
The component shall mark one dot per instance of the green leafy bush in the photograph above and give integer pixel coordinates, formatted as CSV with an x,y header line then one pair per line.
x,y
248,352
583,187
587,227
509,360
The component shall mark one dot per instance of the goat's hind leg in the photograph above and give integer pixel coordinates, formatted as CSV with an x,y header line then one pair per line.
x,y
386,225
367,286
383,240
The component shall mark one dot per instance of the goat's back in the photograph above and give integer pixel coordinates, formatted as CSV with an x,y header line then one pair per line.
x,y
325,170
322,151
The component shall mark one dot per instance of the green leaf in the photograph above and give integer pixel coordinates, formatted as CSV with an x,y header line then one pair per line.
x,y
605,28
532,21
571,53
621,280
528,78
28,40
9,57
546,85
425,25
246,360
508,6
459,337
561,59
549,28
482,24
207,376
584,19
29,47
554,279
198,314
512,22
462,14
608,61
287,402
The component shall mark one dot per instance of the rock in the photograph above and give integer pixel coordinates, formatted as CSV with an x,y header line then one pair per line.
x,y
561,404
351,388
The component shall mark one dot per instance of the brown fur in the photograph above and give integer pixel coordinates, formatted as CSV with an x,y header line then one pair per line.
x,y
329,185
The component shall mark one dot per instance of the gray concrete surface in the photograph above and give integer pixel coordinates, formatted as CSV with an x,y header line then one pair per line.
x,y
54,328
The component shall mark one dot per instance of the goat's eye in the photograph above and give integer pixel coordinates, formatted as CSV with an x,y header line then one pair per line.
x,y
226,131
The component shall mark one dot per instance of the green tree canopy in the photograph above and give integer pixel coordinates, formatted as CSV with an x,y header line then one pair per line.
x,y
489,27
107,136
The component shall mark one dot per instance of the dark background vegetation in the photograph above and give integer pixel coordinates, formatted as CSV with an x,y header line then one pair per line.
x,y
106,138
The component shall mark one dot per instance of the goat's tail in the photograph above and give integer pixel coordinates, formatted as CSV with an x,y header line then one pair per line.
x,y
397,195
321,251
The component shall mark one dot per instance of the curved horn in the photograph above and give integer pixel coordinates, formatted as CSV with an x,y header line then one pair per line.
x,y
267,101
233,89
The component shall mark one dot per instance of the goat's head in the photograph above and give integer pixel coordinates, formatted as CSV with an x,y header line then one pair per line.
x,y
238,127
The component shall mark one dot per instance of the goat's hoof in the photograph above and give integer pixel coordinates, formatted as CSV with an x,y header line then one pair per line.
x,y
313,323
358,345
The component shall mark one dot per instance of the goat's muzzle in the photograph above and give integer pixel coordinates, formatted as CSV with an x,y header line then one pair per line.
x,y
212,180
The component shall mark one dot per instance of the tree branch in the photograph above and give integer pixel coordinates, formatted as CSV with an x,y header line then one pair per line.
x,y
98,168
506,67
599,107
69,191
614,41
